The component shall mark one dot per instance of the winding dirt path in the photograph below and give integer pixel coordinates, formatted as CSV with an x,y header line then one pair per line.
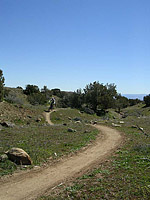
x,y
30,185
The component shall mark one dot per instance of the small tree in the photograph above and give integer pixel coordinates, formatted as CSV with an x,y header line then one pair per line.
x,y
30,89
100,97
1,85
121,102
147,100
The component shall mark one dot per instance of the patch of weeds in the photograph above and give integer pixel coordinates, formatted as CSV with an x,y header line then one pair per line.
x,y
43,142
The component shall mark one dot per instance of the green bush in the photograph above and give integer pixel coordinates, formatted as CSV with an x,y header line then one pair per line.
x,y
14,97
37,98
147,100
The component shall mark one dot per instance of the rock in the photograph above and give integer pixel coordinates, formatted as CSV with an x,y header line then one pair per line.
x,y
121,122
95,122
87,110
141,129
116,125
7,124
86,131
38,119
64,124
3,157
71,130
19,156
77,122
77,119
133,126
69,118
124,116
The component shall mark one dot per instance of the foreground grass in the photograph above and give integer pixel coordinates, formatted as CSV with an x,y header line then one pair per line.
x,y
126,175
43,142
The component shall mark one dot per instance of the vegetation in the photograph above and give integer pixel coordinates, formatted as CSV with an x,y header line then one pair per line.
x,y
15,96
147,100
94,98
125,175
1,85
42,142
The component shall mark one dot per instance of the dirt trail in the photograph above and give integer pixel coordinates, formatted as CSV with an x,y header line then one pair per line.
x,y
31,184
47,117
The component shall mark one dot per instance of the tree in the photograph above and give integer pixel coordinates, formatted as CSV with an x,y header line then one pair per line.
x,y
133,102
1,85
37,98
121,102
76,99
147,100
45,91
30,89
99,96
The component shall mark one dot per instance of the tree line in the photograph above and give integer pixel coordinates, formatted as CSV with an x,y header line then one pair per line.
x,y
94,98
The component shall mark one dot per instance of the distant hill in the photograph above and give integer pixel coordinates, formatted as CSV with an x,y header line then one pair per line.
x,y
134,96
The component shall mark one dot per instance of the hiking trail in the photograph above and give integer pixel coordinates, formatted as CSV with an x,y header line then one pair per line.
x,y
33,183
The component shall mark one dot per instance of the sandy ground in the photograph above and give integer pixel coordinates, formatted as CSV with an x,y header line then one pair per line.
x,y
31,184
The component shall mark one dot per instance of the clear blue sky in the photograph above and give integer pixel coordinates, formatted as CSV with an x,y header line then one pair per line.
x,y
67,44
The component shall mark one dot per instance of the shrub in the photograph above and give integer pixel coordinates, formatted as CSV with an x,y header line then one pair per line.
x,y
14,97
147,100
37,98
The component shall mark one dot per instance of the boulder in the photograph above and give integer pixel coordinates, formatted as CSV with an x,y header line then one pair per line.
x,y
7,124
19,156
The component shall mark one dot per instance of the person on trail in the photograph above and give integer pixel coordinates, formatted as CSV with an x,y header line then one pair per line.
x,y
52,103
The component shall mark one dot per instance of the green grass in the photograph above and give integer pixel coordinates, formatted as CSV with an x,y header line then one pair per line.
x,y
68,115
42,141
126,175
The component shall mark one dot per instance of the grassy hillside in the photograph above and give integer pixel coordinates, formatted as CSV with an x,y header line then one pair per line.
x,y
126,174
44,143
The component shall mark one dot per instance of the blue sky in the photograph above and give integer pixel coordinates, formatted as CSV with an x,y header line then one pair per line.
x,y
67,44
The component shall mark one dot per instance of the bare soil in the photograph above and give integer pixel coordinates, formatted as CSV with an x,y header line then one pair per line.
x,y
31,184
